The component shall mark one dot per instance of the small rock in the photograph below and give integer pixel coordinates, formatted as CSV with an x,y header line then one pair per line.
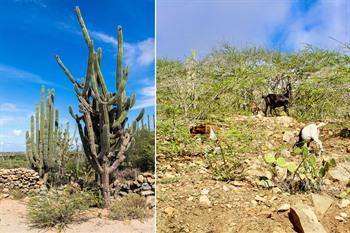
x,y
344,203
147,174
140,178
147,193
145,187
5,195
341,172
276,190
204,201
225,188
281,173
205,192
5,190
343,215
283,207
304,219
190,198
169,210
237,183
260,199
321,204
341,219
288,136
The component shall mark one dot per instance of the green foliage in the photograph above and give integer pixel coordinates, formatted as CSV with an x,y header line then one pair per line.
x,y
223,162
233,80
307,175
141,153
175,139
16,161
132,206
57,208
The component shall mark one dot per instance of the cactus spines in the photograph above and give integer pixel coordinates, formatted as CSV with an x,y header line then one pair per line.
x,y
101,126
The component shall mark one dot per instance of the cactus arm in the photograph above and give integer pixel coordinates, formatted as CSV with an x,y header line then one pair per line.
x,y
100,78
67,72
140,116
120,120
83,27
120,57
91,137
125,140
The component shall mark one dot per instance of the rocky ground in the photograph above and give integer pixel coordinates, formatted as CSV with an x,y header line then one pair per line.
x,y
13,219
189,199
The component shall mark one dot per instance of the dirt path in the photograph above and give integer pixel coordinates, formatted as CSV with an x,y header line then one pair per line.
x,y
13,219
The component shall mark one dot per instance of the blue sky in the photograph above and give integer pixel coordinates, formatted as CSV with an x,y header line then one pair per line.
x,y
283,25
33,31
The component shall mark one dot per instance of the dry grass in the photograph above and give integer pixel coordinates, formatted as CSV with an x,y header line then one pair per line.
x,y
133,206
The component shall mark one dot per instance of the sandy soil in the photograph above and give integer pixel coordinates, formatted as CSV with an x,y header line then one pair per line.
x,y
13,220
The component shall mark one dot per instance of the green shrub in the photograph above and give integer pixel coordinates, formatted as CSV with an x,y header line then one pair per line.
x,y
141,154
17,161
306,175
224,163
132,206
57,207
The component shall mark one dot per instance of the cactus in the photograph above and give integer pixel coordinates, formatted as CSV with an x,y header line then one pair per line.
x,y
102,125
41,139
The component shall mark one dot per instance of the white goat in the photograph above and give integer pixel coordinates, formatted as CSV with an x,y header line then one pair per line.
x,y
310,133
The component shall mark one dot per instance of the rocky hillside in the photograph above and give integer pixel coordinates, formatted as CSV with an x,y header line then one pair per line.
x,y
196,192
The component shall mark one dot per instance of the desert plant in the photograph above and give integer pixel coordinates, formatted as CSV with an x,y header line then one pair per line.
x,y
141,154
57,207
101,126
223,162
132,206
46,142
306,175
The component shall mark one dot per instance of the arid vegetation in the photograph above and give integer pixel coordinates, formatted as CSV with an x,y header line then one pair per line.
x,y
113,166
253,167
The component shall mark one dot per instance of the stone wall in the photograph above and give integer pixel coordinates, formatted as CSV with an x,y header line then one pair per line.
x,y
143,185
22,179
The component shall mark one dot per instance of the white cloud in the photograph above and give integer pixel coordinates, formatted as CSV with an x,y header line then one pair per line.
x,y
104,38
326,19
140,53
13,73
182,24
17,132
147,98
10,107
5,120
146,52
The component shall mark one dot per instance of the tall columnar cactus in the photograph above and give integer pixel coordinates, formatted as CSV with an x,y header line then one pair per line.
x,y
102,125
42,138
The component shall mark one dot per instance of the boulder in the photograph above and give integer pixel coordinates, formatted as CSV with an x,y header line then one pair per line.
x,y
304,219
321,204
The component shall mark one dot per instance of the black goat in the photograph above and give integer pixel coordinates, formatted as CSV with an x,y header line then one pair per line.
x,y
273,101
